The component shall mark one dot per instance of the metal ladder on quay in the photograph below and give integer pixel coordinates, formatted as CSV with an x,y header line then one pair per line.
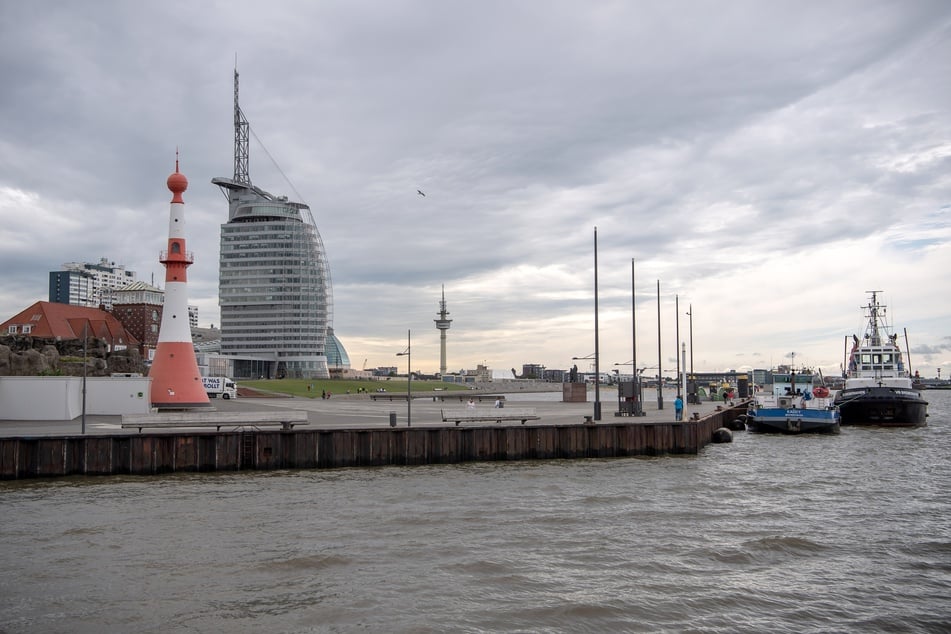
x,y
247,450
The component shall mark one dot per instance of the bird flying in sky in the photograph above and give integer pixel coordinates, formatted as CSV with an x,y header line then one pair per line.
x,y
420,192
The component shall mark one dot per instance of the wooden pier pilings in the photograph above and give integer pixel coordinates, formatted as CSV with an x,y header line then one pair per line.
x,y
157,453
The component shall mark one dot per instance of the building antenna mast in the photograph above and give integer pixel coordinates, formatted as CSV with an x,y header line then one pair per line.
x,y
241,137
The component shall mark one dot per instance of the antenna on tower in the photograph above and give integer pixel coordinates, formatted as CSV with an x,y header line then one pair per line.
x,y
241,136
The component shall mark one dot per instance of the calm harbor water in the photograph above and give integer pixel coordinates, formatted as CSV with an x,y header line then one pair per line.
x,y
848,533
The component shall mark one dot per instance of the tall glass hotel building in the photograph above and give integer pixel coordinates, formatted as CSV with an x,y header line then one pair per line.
x,y
274,280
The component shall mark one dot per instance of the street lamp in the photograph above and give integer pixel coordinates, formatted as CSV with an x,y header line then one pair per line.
x,y
597,383
677,343
597,368
660,361
409,379
85,331
682,387
638,407
692,395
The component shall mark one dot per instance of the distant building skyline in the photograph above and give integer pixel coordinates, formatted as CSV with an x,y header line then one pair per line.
x,y
88,283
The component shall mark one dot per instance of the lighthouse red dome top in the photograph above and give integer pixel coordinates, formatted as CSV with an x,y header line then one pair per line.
x,y
177,183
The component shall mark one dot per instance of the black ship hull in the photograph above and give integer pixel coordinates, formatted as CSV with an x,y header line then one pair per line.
x,y
884,406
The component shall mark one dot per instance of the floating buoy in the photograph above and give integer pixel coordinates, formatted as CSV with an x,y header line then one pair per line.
x,y
820,391
722,435
737,424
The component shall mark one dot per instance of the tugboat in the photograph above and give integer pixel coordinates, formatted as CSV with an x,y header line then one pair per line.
x,y
878,385
796,405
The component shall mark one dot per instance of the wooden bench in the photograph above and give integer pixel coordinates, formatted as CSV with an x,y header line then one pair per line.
x,y
285,418
388,396
437,396
465,396
498,414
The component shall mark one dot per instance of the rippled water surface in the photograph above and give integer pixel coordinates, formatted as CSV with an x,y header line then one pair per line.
x,y
781,534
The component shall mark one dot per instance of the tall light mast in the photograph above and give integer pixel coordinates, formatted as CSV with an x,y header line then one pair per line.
x,y
442,324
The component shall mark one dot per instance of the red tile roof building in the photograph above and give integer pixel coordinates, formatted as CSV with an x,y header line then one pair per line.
x,y
50,320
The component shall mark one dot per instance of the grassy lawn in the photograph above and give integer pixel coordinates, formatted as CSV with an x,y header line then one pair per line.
x,y
299,387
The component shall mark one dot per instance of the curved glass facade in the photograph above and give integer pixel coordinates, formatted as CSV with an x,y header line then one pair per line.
x,y
336,355
274,286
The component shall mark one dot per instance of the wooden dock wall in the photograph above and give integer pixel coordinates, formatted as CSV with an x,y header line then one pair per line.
x,y
157,453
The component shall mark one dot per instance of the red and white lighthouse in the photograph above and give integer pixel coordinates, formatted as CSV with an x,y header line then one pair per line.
x,y
176,381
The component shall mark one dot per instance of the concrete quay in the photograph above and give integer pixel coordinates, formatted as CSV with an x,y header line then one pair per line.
x,y
360,412
349,432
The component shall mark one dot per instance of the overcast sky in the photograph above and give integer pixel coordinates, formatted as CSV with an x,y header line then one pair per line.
x,y
767,162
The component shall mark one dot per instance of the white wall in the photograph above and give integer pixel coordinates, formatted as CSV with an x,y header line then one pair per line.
x,y
117,395
61,397
40,397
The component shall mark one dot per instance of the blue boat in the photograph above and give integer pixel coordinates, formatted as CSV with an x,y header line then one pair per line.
x,y
796,404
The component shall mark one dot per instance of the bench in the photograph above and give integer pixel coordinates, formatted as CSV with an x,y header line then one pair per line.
x,y
387,396
465,396
168,420
437,396
498,414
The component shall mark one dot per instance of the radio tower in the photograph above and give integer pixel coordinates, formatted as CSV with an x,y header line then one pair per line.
x,y
442,324
176,381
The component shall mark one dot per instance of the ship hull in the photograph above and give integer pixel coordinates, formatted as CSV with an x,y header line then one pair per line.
x,y
780,420
882,406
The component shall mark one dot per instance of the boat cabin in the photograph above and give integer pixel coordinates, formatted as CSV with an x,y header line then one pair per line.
x,y
876,361
791,384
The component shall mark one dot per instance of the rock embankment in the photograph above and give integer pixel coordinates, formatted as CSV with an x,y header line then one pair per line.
x,y
28,356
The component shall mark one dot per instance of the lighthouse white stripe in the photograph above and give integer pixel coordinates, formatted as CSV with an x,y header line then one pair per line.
x,y
175,314
176,221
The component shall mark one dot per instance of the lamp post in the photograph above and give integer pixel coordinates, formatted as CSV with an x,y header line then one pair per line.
x,y
597,380
692,395
409,379
660,361
631,363
638,408
597,367
677,343
85,330
682,389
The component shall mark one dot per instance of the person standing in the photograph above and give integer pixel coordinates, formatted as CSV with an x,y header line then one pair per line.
x,y
678,408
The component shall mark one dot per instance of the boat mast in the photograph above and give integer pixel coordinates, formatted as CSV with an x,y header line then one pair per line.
x,y
792,375
845,356
907,353
873,307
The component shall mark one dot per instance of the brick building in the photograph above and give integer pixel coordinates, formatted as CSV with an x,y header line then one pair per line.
x,y
139,307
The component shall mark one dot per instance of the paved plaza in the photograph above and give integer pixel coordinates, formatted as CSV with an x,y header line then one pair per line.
x,y
361,412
